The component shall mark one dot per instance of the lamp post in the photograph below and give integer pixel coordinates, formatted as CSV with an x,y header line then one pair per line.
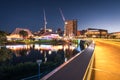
x,y
39,62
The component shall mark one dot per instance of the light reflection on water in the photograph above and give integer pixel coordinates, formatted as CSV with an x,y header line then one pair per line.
x,y
32,52
40,47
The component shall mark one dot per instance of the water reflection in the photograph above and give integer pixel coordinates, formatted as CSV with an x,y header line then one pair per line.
x,y
52,56
32,52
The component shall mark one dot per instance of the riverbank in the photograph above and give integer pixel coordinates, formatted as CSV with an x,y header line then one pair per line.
x,y
52,42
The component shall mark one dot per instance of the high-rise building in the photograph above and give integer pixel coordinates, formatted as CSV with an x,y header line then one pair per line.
x,y
70,28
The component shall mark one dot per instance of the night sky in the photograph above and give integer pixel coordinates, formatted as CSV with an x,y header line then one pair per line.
x,y
104,14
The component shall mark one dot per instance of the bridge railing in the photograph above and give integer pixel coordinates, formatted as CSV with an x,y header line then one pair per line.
x,y
88,73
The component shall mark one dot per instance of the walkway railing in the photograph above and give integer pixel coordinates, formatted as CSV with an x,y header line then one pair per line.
x,y
88,73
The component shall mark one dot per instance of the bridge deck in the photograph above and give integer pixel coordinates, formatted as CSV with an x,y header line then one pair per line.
x,y
107,60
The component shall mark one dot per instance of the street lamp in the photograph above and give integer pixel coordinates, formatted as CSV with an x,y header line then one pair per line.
x,y
39,62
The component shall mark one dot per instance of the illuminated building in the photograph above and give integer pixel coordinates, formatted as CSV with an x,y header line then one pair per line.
x,y
97,33
47,36
70,28
16,36
81,34
114,35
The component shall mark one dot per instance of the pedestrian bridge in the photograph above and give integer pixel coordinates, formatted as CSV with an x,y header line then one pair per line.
x,y
77,68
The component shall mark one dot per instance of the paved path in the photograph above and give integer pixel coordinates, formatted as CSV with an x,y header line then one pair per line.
x,y
107,60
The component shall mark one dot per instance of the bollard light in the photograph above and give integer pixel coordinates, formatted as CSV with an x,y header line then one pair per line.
x,y
39,62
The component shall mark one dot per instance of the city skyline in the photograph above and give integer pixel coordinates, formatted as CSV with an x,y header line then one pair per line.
x,y
103,14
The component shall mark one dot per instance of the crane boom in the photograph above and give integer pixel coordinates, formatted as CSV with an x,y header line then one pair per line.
x,y
62,14
63,21
45,21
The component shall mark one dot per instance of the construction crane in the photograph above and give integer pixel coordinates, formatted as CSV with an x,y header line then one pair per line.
x,y
62,14
45,21
63,21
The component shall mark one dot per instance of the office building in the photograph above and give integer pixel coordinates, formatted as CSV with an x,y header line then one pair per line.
x,y
70,28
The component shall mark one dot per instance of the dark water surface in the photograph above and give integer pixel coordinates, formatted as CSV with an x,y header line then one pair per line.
x,y
33,52
52,56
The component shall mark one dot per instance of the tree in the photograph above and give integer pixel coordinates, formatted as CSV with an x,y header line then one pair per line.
x,y
23,33
59,31
5,54
3,37
113,36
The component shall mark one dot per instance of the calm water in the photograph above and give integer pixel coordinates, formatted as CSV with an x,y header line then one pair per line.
x,y
33,52
52,56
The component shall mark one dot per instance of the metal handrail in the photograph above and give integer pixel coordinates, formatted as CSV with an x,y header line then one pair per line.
x,y
87,75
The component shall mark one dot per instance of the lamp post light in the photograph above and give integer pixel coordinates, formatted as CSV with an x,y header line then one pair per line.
x,y
39,62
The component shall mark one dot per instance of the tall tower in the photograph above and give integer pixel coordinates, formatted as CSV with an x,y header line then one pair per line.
x,y
70,28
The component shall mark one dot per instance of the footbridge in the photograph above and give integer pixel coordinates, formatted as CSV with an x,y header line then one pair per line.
x,y
77,68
